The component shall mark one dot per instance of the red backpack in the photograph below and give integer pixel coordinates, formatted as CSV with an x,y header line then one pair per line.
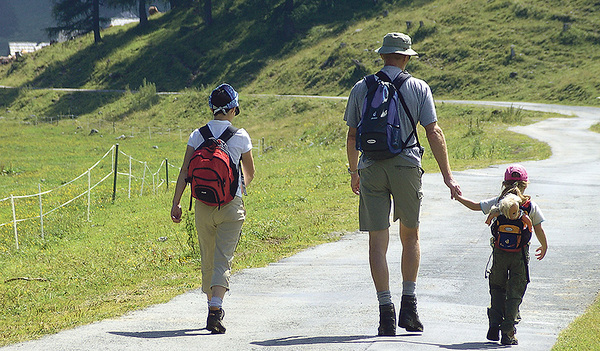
x,y
212,174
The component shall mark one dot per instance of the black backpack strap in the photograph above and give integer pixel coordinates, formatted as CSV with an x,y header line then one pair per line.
x,y
205,132
228,133
384,77
371,81
225,136
398,82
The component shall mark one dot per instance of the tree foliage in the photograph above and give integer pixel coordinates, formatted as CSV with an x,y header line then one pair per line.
x,y
74,17
139,5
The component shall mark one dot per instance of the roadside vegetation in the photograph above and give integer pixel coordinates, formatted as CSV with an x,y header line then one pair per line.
x,y
539,51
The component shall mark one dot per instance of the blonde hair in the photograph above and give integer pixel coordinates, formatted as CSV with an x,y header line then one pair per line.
x,y
507,202
516,187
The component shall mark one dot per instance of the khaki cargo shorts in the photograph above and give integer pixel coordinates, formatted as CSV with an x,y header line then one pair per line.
x,y
394,179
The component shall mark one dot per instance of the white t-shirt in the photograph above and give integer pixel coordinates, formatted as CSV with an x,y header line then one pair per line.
x,y
535,214
239,144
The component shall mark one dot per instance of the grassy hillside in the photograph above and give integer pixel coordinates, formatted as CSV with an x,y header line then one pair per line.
x,y
465,49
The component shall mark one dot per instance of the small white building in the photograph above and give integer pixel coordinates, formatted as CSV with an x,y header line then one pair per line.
x,y
24,47
122,21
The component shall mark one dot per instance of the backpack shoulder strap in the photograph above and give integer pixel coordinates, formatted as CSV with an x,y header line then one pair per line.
x,y
205,132
400,79
370,80
228,133
398,82
384,77
526,207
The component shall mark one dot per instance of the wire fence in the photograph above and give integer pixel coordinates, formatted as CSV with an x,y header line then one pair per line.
x,y
16,209
99,125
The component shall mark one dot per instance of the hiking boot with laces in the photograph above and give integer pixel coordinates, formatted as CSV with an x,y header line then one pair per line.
x,y
509,338
387,320
214,322
409,319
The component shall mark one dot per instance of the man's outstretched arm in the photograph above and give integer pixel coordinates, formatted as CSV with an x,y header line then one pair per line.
x,y
437,142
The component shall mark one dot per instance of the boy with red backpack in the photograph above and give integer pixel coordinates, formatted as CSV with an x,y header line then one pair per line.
x,y
215,157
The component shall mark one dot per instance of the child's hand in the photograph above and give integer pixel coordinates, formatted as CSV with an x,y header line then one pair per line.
x,y
540,252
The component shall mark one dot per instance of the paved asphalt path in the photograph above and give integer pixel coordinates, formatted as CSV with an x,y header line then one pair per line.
x,y
323,298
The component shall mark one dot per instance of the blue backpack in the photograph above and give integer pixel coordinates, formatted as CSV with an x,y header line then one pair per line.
x,y
510,234
379,132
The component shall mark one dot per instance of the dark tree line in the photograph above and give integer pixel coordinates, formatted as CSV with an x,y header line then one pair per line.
x,y
75,17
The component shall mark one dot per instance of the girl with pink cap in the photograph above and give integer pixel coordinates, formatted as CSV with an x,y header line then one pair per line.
x,y
509,274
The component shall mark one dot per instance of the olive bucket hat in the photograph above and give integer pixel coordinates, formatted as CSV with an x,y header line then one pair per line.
x,y
397,43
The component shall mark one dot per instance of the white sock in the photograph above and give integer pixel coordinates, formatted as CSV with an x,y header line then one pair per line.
x,y
384,297
215,302
408,288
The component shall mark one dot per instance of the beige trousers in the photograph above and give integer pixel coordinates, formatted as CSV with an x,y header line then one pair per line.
x,y
219,231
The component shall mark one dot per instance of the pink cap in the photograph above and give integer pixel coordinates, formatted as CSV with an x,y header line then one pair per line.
x,y
516,172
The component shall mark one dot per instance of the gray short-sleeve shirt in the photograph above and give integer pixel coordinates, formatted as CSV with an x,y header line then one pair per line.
x,y
420,102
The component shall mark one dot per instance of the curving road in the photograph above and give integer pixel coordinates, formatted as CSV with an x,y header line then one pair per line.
x,y
323,298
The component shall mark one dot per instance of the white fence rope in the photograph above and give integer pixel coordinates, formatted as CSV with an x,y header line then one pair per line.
x,y
156,178
157,182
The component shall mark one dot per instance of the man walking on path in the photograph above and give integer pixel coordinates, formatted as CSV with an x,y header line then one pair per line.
x,y
399,177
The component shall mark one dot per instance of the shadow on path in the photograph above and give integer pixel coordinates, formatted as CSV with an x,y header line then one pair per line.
x,y
313,340
159,334
364,339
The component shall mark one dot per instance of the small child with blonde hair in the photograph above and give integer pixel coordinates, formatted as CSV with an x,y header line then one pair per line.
x,y
509,274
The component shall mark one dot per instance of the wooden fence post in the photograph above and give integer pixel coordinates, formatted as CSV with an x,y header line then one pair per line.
x,y
167,171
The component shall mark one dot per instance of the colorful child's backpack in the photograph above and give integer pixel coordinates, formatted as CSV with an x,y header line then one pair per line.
x,y
511,234
212,173
379,132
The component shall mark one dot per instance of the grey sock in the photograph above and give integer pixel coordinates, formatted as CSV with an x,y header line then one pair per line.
x,y
384,297
408,288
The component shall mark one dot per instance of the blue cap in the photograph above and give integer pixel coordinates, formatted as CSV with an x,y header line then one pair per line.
x,y
233,95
